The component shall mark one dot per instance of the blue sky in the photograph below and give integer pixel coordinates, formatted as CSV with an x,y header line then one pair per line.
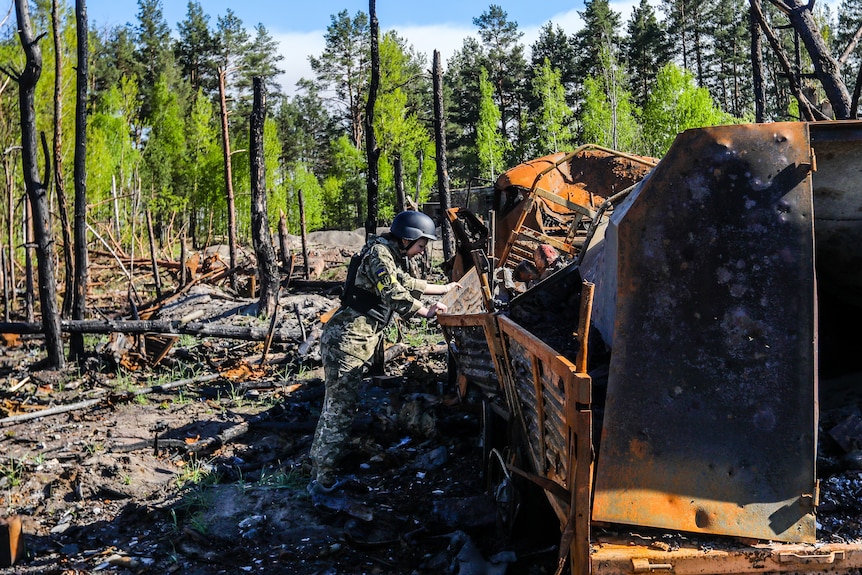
x,y
298,25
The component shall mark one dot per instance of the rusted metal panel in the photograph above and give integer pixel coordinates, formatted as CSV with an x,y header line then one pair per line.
x,y
710,420
838,209
622,558
559,191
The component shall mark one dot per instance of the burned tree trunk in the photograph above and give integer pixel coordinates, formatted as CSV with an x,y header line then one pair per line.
x,y
79,306
371,149
59,185
27,80
826,67
267,266
442,169
806,109
283,240
400,199
228,175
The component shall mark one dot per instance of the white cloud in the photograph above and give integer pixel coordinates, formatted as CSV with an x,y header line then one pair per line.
x,y
447,38
296,47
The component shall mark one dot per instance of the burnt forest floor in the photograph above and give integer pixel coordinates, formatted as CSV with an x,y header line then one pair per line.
x,y
199,465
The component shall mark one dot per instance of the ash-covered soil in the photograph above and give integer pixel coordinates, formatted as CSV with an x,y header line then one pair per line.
x,y
210,477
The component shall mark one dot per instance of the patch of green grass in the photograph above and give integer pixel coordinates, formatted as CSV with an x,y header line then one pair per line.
x,y
13,471
280,479
198,522
295,370
124,383
93,448
419,334
194,472
236,396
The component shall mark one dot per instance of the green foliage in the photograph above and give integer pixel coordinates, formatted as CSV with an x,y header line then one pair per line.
x,y
344,188
554,118
607,115
677,104
112,154
489,142
299,177
398,127
164,152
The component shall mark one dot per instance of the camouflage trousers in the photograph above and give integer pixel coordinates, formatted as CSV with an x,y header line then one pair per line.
x,y
347,346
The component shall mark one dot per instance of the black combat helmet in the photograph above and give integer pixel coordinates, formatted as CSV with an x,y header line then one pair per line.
x,y
410,225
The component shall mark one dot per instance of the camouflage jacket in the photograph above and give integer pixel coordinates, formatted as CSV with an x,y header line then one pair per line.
x,y
384,271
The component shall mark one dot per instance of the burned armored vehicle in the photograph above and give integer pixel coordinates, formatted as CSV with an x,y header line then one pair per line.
x,y
687,390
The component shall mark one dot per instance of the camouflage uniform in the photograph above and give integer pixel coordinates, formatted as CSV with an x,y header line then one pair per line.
x,y
348,342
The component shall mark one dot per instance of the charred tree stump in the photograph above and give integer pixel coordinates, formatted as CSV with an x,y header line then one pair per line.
x,y
36,190
282,240
371,149
442,169
267,266
79,305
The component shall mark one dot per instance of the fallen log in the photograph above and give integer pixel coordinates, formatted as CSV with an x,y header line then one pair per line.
x,y
171,327
102,397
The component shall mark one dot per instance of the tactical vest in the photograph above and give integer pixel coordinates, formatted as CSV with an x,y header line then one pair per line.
x,y
362,300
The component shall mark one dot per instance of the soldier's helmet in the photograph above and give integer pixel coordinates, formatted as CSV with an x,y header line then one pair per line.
x,y
410,225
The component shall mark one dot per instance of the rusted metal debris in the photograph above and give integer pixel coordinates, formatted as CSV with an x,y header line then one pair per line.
x,y
701,383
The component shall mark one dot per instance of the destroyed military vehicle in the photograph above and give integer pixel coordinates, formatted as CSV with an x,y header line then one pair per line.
x,y
687,390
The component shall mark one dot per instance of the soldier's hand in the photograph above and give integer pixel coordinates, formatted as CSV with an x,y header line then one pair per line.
x,y
436,308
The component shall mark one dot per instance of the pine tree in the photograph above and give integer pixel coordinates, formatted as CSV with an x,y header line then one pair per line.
x,y
554,45
305,127
600,33
646,50
730,72
343,68
507,69
849,21
195,50
461,81
262,59
153,52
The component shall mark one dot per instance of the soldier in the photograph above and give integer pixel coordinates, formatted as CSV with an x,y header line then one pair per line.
x,y
378,286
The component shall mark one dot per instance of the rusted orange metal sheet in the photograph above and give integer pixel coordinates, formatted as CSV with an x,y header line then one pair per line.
x,y
623,558
710,421
556,193
552,401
